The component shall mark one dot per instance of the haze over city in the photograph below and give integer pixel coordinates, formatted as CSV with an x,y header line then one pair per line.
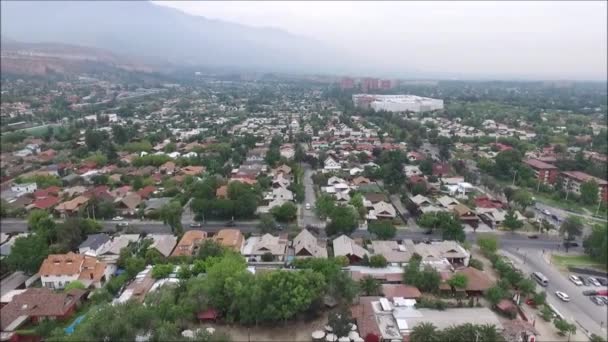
x,y
477,39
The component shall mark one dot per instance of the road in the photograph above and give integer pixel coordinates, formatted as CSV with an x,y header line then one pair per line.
x,y
151,227
580,308
308,216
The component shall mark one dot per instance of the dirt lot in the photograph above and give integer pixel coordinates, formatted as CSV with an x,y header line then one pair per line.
x,y
291,331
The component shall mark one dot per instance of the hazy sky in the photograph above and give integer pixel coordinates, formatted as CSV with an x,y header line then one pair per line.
x,y
535,39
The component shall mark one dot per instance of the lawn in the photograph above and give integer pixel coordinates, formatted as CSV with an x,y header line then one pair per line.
x,y
576,260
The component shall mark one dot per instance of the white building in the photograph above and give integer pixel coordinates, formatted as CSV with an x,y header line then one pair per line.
x,y
25,188
400,103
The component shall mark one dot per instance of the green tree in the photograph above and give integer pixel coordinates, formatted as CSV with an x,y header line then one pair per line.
x,y
377,261
340,322
285,213
511,221
540,298
495,294
429,280
325,205
267,257
27,254
209,248
369,286
523,198
75,284
564,327
596,243
458,281
383,230
134,265
425,332
344,220
267,224
526,286
160,271
488,244
571,228
589,192
171,214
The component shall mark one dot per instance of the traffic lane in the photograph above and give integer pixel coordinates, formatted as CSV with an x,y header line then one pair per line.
x,y
580,308
308,215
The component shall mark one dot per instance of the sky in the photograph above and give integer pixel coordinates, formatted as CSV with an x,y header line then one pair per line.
x,y
520,39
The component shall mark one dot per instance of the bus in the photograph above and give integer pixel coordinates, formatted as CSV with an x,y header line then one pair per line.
x,y
540,278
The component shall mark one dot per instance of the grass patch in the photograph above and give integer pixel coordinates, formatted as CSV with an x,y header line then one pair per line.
x,y
576,260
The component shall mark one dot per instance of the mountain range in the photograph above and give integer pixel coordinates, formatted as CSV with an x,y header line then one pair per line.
x,y
159,34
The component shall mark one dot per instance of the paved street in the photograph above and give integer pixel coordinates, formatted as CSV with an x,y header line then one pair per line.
x,y
580,309
308,217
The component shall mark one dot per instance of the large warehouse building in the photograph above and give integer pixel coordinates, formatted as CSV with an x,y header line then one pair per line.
x,y
397,103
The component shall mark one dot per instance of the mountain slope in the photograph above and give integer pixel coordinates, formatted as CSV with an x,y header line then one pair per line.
x,y
144,29
41,58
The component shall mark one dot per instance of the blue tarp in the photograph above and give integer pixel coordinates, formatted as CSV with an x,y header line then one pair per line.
x,y
70,329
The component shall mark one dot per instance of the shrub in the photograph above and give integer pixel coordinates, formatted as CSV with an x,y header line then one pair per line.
x,y
475,263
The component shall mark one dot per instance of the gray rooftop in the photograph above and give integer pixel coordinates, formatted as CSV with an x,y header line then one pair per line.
x,y
95,241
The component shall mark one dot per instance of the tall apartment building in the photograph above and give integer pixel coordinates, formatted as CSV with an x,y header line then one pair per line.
x,y
544,172
574,179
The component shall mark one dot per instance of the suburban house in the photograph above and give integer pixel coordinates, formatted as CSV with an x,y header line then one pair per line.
x,y
330,164
466,215
58,270
345,246
447,202
544,172
189,243
437,254
111,254
382,211
491,216
71,207
94,244
411,170
128,204
230,238
163,243
256,246
394,253
307,245
35,305
478,282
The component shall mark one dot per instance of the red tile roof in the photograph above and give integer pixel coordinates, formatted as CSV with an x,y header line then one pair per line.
x,y
537,164
400,290
46,202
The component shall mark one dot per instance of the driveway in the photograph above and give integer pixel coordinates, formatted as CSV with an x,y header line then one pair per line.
x,y
580,309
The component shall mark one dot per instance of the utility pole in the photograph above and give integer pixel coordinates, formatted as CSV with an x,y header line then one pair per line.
x,y
514,175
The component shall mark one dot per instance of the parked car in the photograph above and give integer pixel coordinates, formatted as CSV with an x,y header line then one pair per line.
x,y
597,300
604,299
230,224
594,282
546,212
533,236
123,224
602,281
195,224
584,280
563,296
576,280
118,218
589,292
307,206
569,244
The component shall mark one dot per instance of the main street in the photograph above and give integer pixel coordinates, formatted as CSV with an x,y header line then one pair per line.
x,y
580,309
507,240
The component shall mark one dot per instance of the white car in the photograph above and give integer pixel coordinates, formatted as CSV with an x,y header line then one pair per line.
x,y
118,218
594,281
546,212
576,280
564,297
307,206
